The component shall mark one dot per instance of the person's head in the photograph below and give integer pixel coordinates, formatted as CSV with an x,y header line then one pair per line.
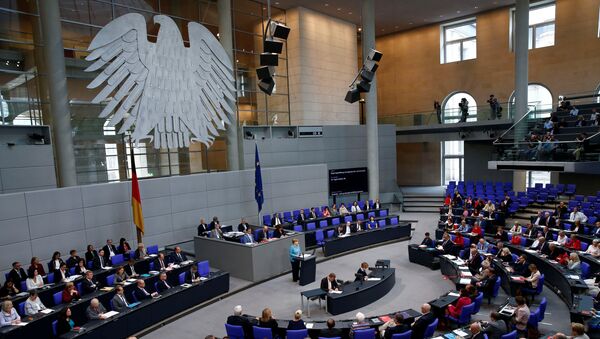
x,y
427,235
32,273
265,229
464,292
520,300
95,303
425,308
494,316
194,268
120,270
505,251
522,258
33,294
473,251
364,265
56,255
63,267
36,260
237,310
163,276
482,241
446,236
577,329
202,221
541,240
573,237
500,245
89,275
574,257
65,313
177,249
215,219
475,328
122,241
360,317
371,218
559,336
131,261
595,242
69,286
298,315
331,276
266,314
295,242
348,223
533,268
16,265
101,252
249,231
119,289
398,318
552,246
109,242
90,248
575,209
140,283
499,229
81,263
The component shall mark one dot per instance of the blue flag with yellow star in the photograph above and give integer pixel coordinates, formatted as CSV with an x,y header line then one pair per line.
x,y
258,187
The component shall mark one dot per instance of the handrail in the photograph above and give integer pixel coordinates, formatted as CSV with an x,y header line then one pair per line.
x,y
556,141
511,127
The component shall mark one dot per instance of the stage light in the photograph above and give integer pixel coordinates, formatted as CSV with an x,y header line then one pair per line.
x,y
267,85
352,96
279,30
375,55
272,46
363,86
367,75
269,59
370,66
265,72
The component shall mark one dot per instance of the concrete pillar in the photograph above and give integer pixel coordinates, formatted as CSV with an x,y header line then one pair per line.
x,y
368,42
59,101
226,38
519,181
521,38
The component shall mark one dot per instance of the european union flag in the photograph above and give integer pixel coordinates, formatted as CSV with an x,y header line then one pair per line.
x,y
258,188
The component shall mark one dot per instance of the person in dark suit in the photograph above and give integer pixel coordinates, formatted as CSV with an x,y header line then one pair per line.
x,y
547,233
73,259
313,213
362,274
64,324
62,274
17,274
90,254
474,261
297,323
266,320
100,261
55,262
427,241
140,292
110,250
178,256
530,231
130,268
521,266
550,220
399,326
214,223
192,276
420,325
330,331
501,234
263,235
496,327
119,302
123,246
553,251
162,284
89,284
80,269
276,220
160,264
447,246
279,232
376,205
301,217
476,332
202,228
486,285
237,319
329,283
243,226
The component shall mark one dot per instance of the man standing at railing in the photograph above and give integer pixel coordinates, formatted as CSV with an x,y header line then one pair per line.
x,y
494,106
438,111
464,109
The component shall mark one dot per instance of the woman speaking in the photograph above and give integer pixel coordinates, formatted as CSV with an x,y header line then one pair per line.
x,y
295,254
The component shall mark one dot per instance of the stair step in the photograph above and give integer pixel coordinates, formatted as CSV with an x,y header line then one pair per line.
x,y
422,209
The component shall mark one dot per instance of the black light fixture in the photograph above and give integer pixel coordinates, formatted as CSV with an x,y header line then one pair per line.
x,y
279,30
267,85
269,59
273,37
366,75
249,135
271,45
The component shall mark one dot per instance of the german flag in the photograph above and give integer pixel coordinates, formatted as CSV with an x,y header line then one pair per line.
x,y
136,200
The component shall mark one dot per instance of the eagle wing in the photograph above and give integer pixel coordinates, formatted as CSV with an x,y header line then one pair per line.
x,y
122,46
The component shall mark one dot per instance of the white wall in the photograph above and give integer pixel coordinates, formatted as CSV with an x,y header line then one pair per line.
x,y
38,223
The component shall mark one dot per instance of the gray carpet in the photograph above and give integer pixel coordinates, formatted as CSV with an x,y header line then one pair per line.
x,y
414,285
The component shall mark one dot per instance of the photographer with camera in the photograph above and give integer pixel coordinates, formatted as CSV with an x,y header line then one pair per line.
x,y
464,110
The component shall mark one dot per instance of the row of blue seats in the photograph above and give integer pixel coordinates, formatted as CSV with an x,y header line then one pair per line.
x,y
290,216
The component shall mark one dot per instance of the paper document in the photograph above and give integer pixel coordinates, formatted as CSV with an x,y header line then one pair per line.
x,y
306,255
335,292
110,314
454,294
153,255
573,276
463,268
185,285
154,272
465,274
203,278
131,280
438,338
451,257
531,251
373,279
21,324
460,333
107,268
422,246
46,311
465,281
309,325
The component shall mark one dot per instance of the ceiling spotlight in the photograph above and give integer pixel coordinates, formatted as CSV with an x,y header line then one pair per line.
x,y
360,29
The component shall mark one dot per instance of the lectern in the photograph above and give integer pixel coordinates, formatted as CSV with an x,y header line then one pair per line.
x,y
308,268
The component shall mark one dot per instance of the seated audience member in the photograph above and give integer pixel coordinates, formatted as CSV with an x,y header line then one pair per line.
x,y
540,245
553,251
562,238
70,293
464,227
140,252
394,326
420,325
463,300
362,274
64,323
243,226
372,224
95,311
596,230
329,283
578,228
9,315
496,327
34,281
266,320
561,210
89,284
178,256
101,262
477,230
358,227
91,253
594,248
534,278
276,219
447,200
301,217
505,255
213,224
344,230
202,229
576,215
17,273
297,323
501,234
574,262
120,275
516,239
123,246
192,276
62,274
529,231
489,208
217,233
476,332
449,224
130,268
140,292
486,284
355,208
237,319
8,290
80,269
330,331
119,302
578,331
33,304
574,243
361,323
279,232
521,316
474,261
376,205
334,210
248,238
547,233
446,246
55,262
343,210
160,264
312,214
516,228
326,212
110,250
483,246
427,241
459,240
521,266
263,235
162,284
35,264
73,259
540,220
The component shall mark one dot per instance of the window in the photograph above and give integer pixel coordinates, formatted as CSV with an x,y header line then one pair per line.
x,y
539,99
459,42
541,26
451,111
453,160
535,177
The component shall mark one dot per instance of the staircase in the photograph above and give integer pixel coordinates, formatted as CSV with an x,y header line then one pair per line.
x,y
423,199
